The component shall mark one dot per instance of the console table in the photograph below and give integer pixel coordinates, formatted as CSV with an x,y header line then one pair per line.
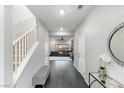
x,y
109,82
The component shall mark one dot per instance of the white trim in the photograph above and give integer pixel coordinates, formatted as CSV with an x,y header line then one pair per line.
x,y
24,63
84,78
82,75
86,81
24,34
5,86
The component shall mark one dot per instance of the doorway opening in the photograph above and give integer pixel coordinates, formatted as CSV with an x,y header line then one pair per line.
x,y
61,47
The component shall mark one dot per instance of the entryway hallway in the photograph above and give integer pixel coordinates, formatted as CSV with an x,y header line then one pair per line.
x,y
64,75
61,46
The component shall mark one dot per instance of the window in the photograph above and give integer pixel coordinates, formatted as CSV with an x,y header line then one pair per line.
x,y
62,47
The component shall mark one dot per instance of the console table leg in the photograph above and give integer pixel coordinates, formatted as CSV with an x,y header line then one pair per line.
x,y
89,80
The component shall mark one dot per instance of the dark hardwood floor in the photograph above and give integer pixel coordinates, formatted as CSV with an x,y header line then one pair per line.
x,y
64,75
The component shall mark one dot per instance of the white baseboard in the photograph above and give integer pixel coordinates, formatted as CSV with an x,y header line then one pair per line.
x,y
5,86
86,81
83,77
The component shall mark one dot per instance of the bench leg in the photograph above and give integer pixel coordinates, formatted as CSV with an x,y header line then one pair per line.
x,y
43,86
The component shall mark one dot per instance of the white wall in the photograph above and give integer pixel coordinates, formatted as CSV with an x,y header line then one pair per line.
x,y
23,20
2,41
5,46
98,26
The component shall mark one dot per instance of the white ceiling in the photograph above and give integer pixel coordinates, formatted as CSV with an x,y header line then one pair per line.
x,y
53,20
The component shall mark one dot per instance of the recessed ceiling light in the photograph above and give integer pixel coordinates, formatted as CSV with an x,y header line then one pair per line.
x,y
61,29
62,12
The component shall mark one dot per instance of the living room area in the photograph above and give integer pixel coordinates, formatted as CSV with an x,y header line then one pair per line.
x,y
61,46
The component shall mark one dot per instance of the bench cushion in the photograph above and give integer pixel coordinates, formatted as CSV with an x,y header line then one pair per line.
x,y
41,76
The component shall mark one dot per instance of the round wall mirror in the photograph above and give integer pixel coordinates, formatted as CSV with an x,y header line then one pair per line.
x,y
116,44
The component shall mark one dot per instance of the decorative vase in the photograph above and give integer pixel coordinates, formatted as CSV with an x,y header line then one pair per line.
x,y
102,74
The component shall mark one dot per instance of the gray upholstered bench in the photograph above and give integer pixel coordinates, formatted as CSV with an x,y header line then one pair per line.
x,y
41,76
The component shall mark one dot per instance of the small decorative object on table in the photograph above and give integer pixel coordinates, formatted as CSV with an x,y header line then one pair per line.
x,y
102,67
102,74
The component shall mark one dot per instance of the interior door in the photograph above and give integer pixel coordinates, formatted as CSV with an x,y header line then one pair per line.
x,y
81,56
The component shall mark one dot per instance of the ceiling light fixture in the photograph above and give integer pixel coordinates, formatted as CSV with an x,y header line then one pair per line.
x,y
61,29
62,12
80,6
